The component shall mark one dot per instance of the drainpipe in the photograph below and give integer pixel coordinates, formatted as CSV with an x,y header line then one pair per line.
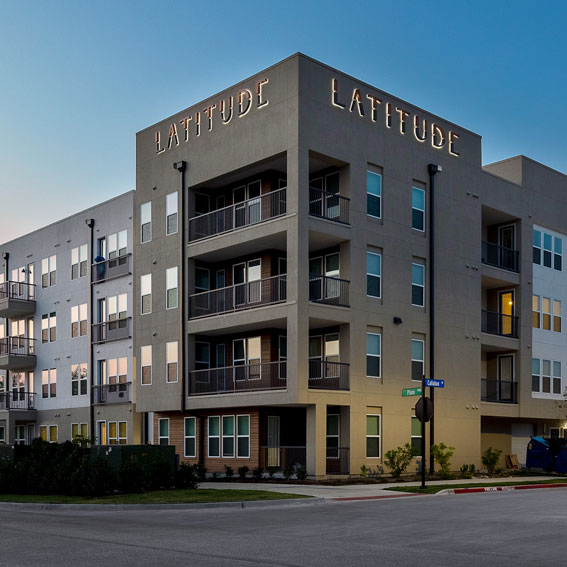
x,y
432,169
90,223
180,166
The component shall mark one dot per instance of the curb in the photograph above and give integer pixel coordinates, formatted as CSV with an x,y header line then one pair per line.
x,y
381,497
36,506
506,488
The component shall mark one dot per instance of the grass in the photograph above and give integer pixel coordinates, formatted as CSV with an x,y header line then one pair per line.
x,y
434,489
205,495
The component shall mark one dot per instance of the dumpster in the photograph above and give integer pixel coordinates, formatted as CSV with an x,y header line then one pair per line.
x,y
539,454
561,458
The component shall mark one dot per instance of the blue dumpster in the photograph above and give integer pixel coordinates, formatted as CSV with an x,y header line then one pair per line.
x,y
561,460
538,454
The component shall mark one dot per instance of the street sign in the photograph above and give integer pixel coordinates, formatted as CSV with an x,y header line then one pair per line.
x,y
424,409
434,383
406,392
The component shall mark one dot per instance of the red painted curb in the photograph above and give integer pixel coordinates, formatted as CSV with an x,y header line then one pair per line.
x,y
506,488
349,498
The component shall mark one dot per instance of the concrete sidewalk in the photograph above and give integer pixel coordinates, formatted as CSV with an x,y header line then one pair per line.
x,y
359,490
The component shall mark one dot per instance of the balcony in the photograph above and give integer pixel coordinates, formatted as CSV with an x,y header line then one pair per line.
x,y
499,324
500,257
105,394
237,216
330,206
111,330
17,299
499,391
111,269
329,290
325,375
17,400
17,353
282,457
248,295
245,378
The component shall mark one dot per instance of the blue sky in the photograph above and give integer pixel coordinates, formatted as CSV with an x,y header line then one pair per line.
x,y
80,78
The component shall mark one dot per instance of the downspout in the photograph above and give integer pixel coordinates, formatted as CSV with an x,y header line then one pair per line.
x,y
90,223
432,169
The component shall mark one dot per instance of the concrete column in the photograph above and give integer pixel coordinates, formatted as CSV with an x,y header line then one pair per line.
x,y
316,437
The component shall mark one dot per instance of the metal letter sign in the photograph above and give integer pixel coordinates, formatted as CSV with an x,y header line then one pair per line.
x,y
424,409
434,383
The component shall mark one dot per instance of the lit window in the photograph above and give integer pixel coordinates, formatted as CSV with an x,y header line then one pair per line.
x,y
146,222
373,436
146,363
79,430
373,274
418,285
557,315
172,357
373,194
536,311
146,293
418,209
546,313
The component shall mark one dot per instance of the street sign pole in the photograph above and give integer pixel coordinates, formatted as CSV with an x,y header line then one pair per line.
x,y
423,398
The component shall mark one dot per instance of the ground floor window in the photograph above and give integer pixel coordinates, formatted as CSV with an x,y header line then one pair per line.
x,y
79,430
416,435
48,433
228,436
243,436
190,437
163,431
373,436
117,433
214,436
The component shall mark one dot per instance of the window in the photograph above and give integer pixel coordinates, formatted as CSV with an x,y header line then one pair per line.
x,y
536,242
373,354
418,209
171,287
146,361
536,372
243,436
214,436
49,271
546,313
163,431
373,436
146,222
536,311
202,280
415,435
418,285
373,274
417,366
556,368
79,430
101,433
48,433
79,262
171,352
146,293
117,433
49,383
333,435
557,254
171,213
373,194
190,437
117,244
202,356
546,376
228,436
547,250
547,242
2,434
79,320
117,309
79,379
557,316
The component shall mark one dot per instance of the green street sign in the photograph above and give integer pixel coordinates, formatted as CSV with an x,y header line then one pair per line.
x,y
406,392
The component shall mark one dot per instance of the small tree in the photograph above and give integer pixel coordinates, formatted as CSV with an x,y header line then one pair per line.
x,y
442,455
490,459
397,460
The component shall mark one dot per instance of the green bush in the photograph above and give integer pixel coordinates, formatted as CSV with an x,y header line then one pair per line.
x,y
442,455
287,472
228,471
300,472
363,471
258,473
201,472
272,471
397,460
490,459
468,471
187,476
243,471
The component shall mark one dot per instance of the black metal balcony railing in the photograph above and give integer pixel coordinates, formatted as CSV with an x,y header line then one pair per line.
x,y
17,400
338,461
17,290
110,269
282,457
259,209
244,378
17,346
326,375
111,330
501,257
326,289
241,296
499,324
112,393
331,206
501,391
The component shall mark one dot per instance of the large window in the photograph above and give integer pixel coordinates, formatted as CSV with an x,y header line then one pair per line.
x,y
171,213
146,293
171,352
79,262
547,250
415,435
79,379
546,376
49,383
546,313
417,359
243,436
418,285
49,271
374,194
117,244
373,436
146,364
373,274
146,222
418,209
373,354
79,320
163,431
190,437
214,436
49,328
118,433
48,433
79,430
171,287
202,356
228,436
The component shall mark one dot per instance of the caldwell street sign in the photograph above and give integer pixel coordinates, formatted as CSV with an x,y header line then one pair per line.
x,y
434,383
406,392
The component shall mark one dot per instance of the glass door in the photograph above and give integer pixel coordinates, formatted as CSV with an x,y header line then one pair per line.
x,y
239,284
506,312
507,246
255,202
505,378
254,274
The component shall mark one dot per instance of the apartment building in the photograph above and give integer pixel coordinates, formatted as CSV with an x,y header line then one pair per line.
x,y
66,358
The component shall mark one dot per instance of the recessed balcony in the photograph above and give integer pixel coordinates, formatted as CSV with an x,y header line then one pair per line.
x,y
17,353
329,290
330,206
112,393
111,330
327,375
17,400
500,257
111,269
499,324
17,299
499,391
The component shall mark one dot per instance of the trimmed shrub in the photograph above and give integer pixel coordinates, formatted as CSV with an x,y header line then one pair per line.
x,y
300,472
243,471
258,473
490,459
228,471
398,460
442,455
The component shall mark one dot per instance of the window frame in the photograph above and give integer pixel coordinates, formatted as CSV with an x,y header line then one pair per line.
x,y
369,274
142,365
148,278
169,202
229,436
160,436
168,271
418,285
145,209
239,436
422,361
378,356
186,437
209,436
378,197
415,208
374,436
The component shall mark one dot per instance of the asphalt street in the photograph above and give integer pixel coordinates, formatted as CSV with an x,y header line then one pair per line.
x,y
493,529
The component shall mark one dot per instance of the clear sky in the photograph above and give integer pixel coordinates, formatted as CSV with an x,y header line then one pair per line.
x,y
80,78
